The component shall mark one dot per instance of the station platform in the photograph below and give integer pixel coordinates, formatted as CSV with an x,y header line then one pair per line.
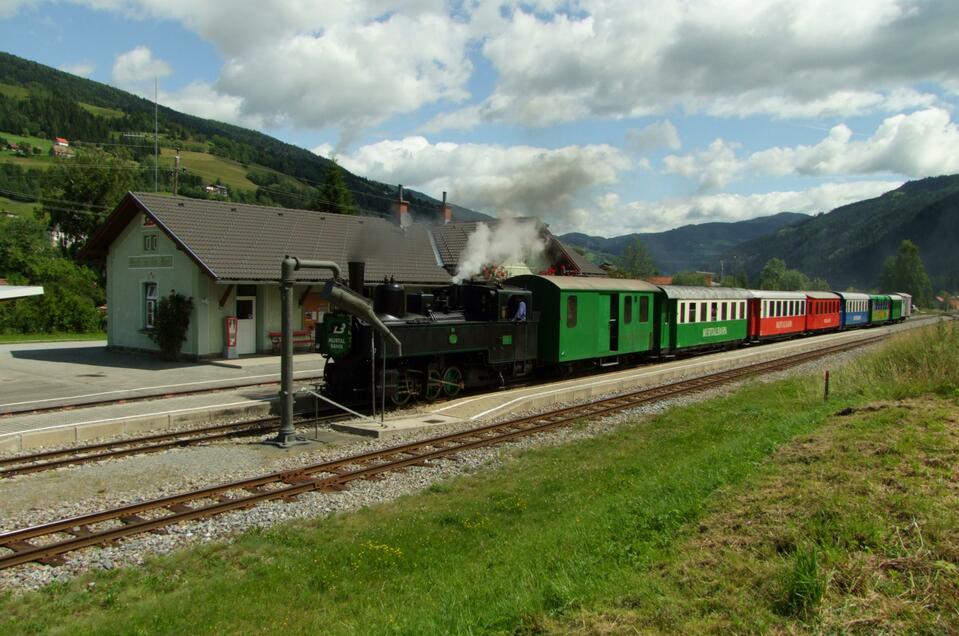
x,y
36,376
104,393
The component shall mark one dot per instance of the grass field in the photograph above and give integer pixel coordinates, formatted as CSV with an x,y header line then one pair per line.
x,y
210,167
17,338
108,113
765,510
20,208
17,92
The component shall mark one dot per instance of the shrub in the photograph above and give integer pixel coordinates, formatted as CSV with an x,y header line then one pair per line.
x,y
170,324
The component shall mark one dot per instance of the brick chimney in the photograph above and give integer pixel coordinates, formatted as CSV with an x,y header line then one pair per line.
x,y
401,210
446,212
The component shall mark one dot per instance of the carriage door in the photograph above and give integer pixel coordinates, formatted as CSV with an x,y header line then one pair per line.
x,y
608,318
246,319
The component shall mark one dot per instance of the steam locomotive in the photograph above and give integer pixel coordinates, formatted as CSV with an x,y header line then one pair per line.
x,y
443,340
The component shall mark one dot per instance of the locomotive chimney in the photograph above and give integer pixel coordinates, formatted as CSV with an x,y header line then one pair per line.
x,y
357,270
446,212
401,210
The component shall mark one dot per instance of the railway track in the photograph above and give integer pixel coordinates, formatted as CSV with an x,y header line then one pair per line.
x,y
48,460
47,543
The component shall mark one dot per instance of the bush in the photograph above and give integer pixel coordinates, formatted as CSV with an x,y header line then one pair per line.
x,y
170,324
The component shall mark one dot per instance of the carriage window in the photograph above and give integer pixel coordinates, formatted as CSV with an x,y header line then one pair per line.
x,y
715,312
628,310
571,311
644,309
692,313
725,310
703,308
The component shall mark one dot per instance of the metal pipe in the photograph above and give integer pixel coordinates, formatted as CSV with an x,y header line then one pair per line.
x,y
286,436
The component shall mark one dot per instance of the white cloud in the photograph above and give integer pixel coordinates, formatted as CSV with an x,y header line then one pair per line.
x,y
203,100
609,216
660,134
324,150
353,65
500,180
81,69
919,144
138,66
714,167
785,59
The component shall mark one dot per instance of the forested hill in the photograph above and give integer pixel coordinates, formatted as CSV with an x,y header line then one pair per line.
x,y
849,245
686,248
40,101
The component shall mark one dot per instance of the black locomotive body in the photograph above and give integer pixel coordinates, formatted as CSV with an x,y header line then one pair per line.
x,y
450,338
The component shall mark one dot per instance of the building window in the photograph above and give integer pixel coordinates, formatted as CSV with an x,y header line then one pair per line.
x,y
571,311
628,310
643,309
150,241
150,297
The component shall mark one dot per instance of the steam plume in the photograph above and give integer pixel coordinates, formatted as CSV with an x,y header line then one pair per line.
x,y
508,242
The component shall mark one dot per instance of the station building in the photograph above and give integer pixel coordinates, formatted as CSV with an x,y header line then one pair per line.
x,y
226,257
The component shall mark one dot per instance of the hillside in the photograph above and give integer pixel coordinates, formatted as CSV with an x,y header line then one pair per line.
x,y
849,245
686,248
39,102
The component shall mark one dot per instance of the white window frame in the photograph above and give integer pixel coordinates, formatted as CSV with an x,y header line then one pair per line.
x,y
151,297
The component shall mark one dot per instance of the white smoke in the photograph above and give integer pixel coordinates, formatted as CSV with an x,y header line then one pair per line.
x,y
509,242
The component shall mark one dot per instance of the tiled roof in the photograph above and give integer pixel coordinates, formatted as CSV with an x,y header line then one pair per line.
x,y
586,266
233,241
239,242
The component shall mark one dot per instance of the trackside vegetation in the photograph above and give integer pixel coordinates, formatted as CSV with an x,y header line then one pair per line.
x,y
764,510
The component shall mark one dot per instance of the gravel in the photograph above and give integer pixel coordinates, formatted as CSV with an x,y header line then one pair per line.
x,y
34,499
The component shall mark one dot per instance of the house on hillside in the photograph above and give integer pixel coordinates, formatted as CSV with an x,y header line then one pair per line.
x,y
61,148
226,256
217,190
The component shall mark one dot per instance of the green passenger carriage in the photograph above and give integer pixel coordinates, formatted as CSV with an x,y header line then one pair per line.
x,y
895,307
701,317
592,320
879,308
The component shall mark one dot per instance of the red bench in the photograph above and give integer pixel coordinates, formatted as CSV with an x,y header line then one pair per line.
x,y
301,338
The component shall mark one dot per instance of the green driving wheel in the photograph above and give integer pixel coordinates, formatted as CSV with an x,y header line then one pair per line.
x,y
452,381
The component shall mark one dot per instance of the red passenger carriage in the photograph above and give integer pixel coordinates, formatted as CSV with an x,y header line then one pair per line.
x,y
776,314
823,311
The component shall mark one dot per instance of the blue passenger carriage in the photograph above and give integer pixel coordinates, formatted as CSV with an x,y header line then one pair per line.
x,y
855,309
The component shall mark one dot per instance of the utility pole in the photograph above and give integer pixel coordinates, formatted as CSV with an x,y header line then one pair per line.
x,y
156,134
176,171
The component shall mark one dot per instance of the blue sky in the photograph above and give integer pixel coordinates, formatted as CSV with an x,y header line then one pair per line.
x,y
599,116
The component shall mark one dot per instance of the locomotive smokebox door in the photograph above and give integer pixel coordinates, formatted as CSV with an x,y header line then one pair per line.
x,y
337,337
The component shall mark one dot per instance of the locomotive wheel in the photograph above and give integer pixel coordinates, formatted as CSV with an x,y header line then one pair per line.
x,y
405,389
434,385
452,381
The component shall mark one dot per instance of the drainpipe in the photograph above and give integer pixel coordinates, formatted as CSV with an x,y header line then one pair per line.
x,y
286,436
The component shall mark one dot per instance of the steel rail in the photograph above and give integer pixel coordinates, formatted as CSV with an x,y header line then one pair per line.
x,y
292,483
48,460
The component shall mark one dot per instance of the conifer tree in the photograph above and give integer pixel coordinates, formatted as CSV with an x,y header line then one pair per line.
x,y
905,272
334,196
